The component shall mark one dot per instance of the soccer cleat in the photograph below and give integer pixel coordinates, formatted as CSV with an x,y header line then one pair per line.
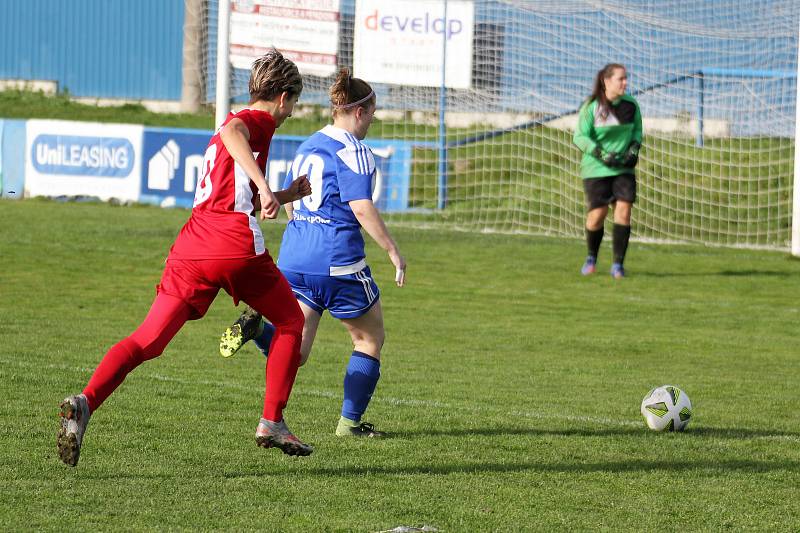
x,y
590,266
74,418
271,434
244,329
617,271
348,428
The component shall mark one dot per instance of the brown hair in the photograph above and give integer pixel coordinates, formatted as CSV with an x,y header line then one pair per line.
x,y
271,75
599,92
347,90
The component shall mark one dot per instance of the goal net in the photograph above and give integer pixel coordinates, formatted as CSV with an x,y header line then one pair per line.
x,y
488,147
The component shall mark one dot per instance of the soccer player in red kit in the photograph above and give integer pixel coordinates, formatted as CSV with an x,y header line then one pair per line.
x,y
220,247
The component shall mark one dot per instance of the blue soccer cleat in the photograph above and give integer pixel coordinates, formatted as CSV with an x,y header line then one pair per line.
x,y
590,266
617,271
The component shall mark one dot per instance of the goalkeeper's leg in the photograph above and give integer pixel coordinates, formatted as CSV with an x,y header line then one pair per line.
x,y
625,192
594,237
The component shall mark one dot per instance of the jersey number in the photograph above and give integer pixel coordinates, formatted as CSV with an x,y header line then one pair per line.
x,y
204,187
312,167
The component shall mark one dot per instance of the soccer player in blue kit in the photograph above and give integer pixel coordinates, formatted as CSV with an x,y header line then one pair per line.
x,y
322,253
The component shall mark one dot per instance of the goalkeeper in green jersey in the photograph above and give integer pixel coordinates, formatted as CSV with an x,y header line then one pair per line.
x,y
609,133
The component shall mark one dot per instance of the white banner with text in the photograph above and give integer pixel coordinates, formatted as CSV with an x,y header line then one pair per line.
x,y
402,42
305,31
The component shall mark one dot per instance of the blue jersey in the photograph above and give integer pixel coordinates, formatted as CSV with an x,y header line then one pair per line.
x,y
324,237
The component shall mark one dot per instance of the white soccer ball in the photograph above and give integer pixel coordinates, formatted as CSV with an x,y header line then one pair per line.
x,y
667,408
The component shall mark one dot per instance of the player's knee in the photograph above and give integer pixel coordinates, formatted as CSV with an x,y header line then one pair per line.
x,y
292,325
370,344
148,344
380,339
134,352
153,349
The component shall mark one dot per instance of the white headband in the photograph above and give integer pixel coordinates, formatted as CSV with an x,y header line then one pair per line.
x,y
354,104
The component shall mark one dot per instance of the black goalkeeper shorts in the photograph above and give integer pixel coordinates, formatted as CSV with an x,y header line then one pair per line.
x,y
604,191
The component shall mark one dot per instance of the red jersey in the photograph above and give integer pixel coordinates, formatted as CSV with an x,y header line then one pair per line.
x,y
223,224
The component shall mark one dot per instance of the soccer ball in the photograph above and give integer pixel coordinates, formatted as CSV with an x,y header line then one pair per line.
x,y
667,408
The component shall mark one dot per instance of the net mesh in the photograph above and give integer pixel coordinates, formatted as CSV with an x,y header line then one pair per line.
x,y
715,80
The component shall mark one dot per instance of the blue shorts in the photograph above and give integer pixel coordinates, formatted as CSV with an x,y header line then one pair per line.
x,y
346,296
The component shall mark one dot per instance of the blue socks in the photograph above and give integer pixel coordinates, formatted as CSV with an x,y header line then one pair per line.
x,y
363,372
265,338
360,379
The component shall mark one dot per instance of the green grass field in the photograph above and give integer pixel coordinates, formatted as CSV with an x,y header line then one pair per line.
x,y
510,383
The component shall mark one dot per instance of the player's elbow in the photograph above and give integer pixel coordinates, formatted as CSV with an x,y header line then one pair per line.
x,y
362,208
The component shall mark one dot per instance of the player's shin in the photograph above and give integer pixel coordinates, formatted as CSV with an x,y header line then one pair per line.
x,y
263,340
360,379
282,365
622,235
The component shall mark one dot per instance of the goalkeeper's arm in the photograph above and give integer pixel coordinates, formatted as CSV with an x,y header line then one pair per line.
x,y
583,139
631,156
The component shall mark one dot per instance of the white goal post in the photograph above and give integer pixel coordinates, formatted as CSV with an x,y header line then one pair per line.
x,y
796,189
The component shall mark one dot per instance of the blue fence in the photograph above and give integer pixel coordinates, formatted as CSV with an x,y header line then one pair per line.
x,y
95,48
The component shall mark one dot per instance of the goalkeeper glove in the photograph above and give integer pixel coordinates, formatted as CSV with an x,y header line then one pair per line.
x,y
631,156
609,159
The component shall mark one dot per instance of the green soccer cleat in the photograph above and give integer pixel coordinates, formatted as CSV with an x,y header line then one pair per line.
x,y
74,419
271,434
349,428
245,328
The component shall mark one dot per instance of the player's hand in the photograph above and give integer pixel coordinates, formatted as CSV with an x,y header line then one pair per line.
x,y
630,160
269,204
300,188
611,159
631,157
400,267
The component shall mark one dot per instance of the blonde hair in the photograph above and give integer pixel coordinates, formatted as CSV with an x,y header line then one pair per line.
x,y
273,74
348,92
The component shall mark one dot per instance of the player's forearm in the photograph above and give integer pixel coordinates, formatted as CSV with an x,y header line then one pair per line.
x,y
586,145
369,218
637,127
284,196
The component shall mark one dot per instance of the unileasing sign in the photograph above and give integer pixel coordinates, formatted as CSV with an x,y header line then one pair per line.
x,y
82,159
403,42
82,156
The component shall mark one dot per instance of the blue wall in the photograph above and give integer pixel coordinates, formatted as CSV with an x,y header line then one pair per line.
x,y
98,48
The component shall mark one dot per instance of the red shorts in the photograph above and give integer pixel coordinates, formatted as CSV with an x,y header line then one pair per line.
x,y
198,281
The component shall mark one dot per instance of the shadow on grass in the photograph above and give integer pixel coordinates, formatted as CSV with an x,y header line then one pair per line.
x,y
281,466
692,432
710,467
721,273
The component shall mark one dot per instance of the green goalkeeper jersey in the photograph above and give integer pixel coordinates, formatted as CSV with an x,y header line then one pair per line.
x,y
613,133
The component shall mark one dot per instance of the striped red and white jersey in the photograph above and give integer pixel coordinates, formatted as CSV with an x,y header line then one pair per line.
x,y
223,222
